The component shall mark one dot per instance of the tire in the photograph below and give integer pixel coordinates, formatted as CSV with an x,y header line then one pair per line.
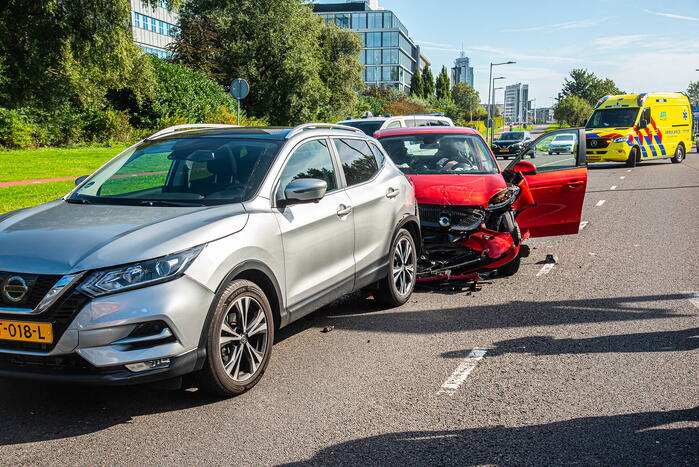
x,y
679,154
632,160
398,285
511,268
237,365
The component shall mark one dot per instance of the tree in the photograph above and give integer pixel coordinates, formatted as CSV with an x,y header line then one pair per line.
x,y
586,85
443,84
693,92
427,83
60,54
467,98
416,87
298,68
572,111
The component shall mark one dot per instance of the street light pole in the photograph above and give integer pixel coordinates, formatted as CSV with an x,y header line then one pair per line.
x,y
491,130
491,112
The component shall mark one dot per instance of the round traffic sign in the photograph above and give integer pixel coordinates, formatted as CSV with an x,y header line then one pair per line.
x,y
240,88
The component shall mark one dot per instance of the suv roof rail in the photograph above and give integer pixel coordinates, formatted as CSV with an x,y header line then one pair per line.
x,y
317,126
189,126
428,114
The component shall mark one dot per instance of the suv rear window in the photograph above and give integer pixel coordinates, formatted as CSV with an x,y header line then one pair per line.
x,y
369,127
358,162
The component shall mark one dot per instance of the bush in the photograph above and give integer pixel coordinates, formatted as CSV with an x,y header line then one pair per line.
x,y
403,107
106,125
16,131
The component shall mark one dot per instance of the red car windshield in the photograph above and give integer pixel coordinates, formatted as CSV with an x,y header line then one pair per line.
x,y
440,153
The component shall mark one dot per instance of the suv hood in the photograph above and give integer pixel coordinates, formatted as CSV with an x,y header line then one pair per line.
x,y
62,238
457,190
508,141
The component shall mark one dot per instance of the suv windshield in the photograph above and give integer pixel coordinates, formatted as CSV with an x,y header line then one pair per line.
x,y
606,118
434,153
369,127
512,136
187,171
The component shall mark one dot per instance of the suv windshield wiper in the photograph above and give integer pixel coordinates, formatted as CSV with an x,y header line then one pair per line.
x,y
161,202
78,201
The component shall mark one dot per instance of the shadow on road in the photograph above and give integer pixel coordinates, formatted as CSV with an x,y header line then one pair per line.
x,y
661,341
647,438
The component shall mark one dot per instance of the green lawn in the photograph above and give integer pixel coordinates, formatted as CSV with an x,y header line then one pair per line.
x,y
17,197
53,162
46,163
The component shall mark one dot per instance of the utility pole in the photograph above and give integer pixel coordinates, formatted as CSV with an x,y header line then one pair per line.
x,y
490,92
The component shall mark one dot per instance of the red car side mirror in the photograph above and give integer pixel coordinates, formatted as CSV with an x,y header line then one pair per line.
x,y
525,167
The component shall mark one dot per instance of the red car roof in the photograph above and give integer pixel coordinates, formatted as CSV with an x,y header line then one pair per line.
x,y
425,129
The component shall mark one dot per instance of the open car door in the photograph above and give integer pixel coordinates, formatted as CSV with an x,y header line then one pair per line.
x,y
554,167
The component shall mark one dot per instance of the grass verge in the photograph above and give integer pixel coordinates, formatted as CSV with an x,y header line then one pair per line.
x,y
18,197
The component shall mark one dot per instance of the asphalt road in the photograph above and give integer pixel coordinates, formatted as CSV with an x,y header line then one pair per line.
x,y
592,363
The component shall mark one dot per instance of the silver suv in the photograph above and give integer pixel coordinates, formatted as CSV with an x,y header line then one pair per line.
x,y
189,250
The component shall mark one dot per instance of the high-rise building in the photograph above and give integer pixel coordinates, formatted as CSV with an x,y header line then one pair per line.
x,y
390,57
462,71
153,28
516,103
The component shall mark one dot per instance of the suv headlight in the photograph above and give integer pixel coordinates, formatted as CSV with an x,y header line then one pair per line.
x,y
621,139
137,275
503,198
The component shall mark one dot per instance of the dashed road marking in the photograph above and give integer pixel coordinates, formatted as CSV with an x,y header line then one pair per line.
x,y
546,269
621,178
629,170
600,202
583,224
466,366
613,187
695,299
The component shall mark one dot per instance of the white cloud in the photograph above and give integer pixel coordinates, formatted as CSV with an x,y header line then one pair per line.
x,y
434,44
617,42
585,23
672,15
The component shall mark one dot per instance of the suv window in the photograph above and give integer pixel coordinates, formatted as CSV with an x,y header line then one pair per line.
x,y
310,160
395,124
358,162
377,152
556,151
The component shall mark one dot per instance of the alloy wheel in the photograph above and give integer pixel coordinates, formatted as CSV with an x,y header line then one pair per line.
x,y
243,338
403,266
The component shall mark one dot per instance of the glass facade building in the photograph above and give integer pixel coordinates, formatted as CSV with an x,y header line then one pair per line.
x,y
516,103
462,71
153,28
389,56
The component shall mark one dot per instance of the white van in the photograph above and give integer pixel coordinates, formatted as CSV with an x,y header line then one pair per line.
x,y
371,125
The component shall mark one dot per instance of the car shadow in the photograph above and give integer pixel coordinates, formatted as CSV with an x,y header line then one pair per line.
x,y
646,438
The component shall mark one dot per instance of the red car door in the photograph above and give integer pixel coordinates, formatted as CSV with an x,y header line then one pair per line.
x,y
554,167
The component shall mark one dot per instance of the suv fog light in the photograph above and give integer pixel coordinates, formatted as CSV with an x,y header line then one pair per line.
x,y
148,365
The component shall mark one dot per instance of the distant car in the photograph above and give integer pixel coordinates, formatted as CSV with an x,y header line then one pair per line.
x,y
510,143
562,144
371,125
189,250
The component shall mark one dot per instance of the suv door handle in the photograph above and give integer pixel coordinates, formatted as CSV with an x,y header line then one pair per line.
x,y
392,193
343,210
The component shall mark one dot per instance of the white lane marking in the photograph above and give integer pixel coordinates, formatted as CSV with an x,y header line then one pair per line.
x,y
629,170
546,269
600,203
583,224
621,178
695,301
613,187
466,366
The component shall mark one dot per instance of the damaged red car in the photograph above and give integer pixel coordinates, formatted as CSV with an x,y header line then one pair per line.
x,y
476,217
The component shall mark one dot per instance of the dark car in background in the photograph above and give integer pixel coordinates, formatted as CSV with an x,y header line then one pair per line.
x,y
510,143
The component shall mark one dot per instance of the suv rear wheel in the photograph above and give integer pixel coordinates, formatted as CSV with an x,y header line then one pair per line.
x,y
395,289
239,340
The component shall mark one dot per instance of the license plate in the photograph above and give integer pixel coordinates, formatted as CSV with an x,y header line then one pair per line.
x,y
26,331
504,150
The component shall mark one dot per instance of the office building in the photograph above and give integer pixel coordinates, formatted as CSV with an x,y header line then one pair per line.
x,y
462,71
153,28
389,55
516,103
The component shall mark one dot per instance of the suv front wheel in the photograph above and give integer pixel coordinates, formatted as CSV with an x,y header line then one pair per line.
x,y
395,289
239,340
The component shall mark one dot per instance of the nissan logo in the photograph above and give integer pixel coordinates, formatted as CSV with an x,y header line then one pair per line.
x,y
15,289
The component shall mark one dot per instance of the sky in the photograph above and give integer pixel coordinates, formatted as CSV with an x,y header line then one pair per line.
x,y
644,46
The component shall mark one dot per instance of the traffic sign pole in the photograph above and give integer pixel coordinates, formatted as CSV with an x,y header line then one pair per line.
x,y
239,90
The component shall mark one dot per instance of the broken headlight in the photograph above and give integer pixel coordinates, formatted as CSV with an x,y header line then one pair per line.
x,y
503,198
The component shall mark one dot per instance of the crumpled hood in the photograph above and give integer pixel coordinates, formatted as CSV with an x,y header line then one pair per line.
x,y
61,238
457,190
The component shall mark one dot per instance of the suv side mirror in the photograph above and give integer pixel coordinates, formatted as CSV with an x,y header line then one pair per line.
x,y
525,167
304,190
79,180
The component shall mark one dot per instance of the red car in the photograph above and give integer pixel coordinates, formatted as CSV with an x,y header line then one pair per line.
x,y
474,216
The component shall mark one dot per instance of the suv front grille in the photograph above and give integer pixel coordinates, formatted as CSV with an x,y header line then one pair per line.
x,y
459,216
597,143
38,285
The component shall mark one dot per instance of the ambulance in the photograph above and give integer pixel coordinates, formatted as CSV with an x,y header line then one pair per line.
x,y
633,128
